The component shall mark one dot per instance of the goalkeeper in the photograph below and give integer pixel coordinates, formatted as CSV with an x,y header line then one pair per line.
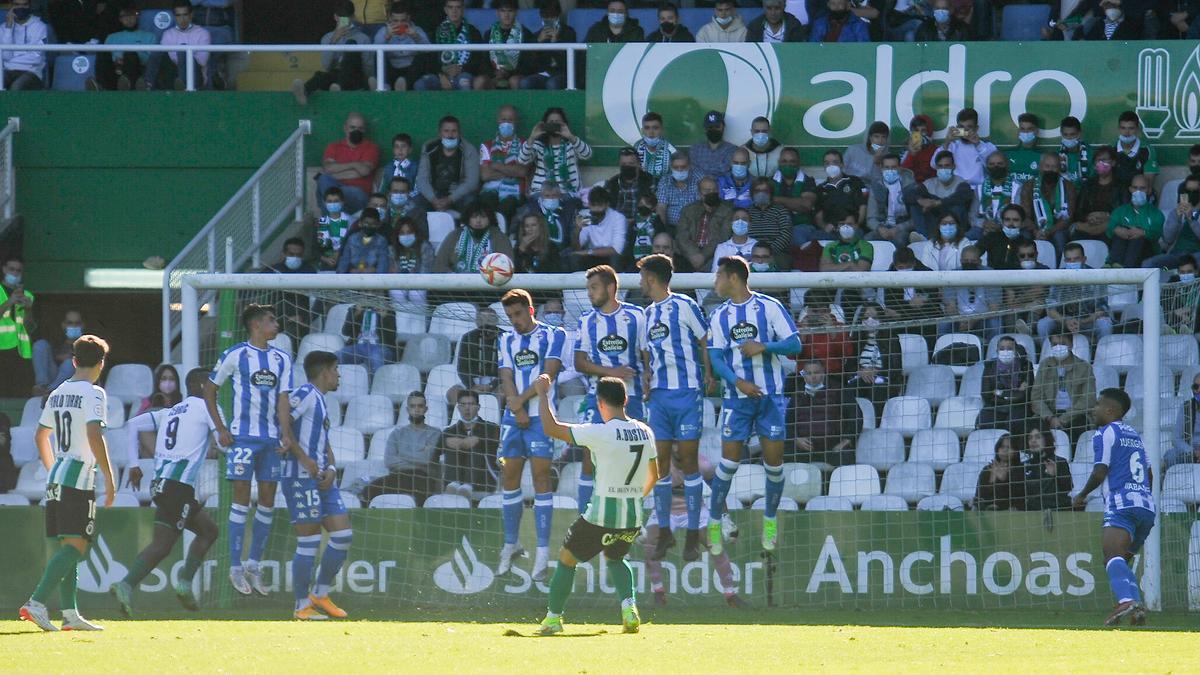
x,y
622,450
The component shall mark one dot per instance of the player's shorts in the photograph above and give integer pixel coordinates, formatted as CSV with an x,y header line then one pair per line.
x,y
765,416
585,539
308,504
676,414
175,503
591,411
257,457
1136,521
70,512
525,443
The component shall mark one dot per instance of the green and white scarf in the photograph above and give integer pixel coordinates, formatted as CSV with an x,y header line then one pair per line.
x,y
994,197
1043,214
507,59
447,34
643,237
471,252
510,149
1082,158
553,226
557,168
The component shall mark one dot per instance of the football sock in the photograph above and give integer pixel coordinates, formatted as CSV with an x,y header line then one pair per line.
x,y
543,512
332,560
190,565
138,571
260,531
662,504
237,532
66,589
560,588
693,497
302,566
721,482
1121,580
621,576
63,561
774,489
585,492
513,506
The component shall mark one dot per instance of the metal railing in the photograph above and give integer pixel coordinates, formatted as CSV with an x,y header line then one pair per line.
x,y
8,181
379,50
274,195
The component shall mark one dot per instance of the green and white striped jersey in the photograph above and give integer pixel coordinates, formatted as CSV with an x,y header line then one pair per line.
x,y
182,440
621,452
68,410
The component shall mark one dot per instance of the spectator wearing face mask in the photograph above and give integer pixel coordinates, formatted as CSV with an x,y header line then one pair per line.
x,y
943,26
1081,309
1047,476
945,255
838,195
823,325
1134,229
776,25
502,175
839,25
947,192
726,25
763,149
600,233
16,324
332,228
969,150
411,456
680,188
702,225
402,203
714,156
740,243
629,184
864,159
293,309
477,358
616,26
965,303
1000,187
1002,246
23,70
669,28
1115,26
1024,306
455,69
910,303
734,187
448,177
1183,298
1099,196
1007,381
52,364
1181,230
1001,484
366,251
795,191
549,69
557,210
166,389
822,420
887,216
555,153
413,255
871,370
1134,157
655,152
770,223
348,164
462,250
643,227
123,70
1049,202
1064,390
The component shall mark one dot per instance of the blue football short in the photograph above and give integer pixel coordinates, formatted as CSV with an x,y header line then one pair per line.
x,y
308,504
518,442
257,457
765,416
1136,521
676,414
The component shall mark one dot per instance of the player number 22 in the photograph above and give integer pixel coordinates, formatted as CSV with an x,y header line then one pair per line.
x,y
636,462
1136,469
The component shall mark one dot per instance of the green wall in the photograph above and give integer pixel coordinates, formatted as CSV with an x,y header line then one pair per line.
x,y
108,179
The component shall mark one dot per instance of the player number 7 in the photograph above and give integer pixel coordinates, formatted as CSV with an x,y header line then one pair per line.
x,y
636,463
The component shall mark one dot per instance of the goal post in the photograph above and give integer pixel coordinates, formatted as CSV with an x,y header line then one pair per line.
x,y
200,290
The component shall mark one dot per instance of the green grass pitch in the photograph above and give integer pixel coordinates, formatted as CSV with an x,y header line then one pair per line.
x,y
718,640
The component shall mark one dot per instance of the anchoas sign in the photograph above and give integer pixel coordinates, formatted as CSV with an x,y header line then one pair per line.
x,y
828,95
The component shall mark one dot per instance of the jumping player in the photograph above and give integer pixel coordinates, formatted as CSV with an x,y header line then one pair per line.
x,y
183,434
749,336
261,429
530,350
74,416
313,499
622,451
1124,471
609,345
678,373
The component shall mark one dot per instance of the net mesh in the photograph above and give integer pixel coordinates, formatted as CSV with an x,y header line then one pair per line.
x,y
893,497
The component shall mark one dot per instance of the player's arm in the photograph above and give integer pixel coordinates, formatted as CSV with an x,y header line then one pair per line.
x,y
1099,473
134,429
651,477
224,438
283,414
550,424
327,479
584,365
95,434
42,440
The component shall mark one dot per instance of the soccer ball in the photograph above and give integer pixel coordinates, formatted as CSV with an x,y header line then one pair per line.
x,y
496,269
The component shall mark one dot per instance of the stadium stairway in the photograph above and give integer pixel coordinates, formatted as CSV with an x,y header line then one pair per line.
x,y
275,71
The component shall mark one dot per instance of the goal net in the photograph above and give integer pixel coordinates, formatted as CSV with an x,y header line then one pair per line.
x,y
937,432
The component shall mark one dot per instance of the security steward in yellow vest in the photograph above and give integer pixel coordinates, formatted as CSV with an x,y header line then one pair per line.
x,y
16,321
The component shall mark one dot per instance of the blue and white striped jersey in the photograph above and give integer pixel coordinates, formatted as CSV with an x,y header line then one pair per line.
x,y
310,424
762,319
526,356
674,329
612,340
1119,447
259,376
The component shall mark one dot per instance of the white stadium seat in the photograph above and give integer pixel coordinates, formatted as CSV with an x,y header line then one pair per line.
x,y
879,448
1182,482
453,320
1084,453
1186,377
393,502
379,440
130,382
446,501
981,445
347,444
396,381
829,503
960,480
23,448
972,382
948,339
281,341
936,447
440,225
907,415
367,470
350,500
855,482
749,483
409,323
208,480
1095,252
31,414
914,351
425,352
335,319
911,481
932,383
1179,351
565,503
785,504
801,482
1135,384
116,413
492,502
568,479
1121,352
958,414
1106,378
13,499
318,342
369,413
354,382
116,441
884,503
940,503
867,409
